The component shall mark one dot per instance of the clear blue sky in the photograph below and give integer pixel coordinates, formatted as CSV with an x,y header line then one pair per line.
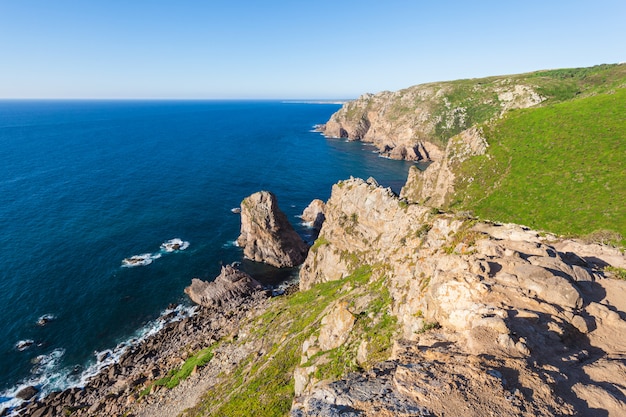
x,y
290,49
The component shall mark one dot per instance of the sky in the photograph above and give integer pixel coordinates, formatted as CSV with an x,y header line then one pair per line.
x,y
279,49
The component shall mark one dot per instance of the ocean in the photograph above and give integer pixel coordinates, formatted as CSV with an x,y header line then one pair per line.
x,y
86,184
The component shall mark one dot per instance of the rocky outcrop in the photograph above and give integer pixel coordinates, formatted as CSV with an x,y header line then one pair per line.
x,y
522,323
228,288
416,123
313,214
435,185
266,234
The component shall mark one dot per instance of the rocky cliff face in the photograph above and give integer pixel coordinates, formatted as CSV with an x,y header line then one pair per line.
x,y
521,324
416,123
402,311
435,185
266,234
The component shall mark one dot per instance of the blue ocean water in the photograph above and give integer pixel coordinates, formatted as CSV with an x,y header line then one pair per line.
x,y
85,184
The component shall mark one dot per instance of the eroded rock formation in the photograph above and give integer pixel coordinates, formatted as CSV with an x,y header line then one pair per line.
x,y
313,214
435,186
229,288
523,323
416,123
266,234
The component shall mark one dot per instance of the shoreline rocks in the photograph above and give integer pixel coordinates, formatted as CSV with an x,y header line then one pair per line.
x,y
313,214
229,287
116,389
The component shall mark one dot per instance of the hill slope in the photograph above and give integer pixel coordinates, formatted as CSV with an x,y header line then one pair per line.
x,y
546,149
559,168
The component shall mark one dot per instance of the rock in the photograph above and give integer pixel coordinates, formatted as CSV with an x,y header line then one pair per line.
x,y
27,393
230,287
314,214
552,288
336,327
266,234
407,123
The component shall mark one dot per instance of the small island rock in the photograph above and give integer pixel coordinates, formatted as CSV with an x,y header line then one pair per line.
x,y
266,234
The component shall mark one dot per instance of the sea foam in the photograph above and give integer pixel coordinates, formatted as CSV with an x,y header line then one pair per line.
x,y
48,376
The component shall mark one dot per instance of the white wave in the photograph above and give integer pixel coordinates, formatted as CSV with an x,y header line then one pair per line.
x,y
48,376
231,243
110,356
44,364
140,260
24,344
45,375
174,245
45,319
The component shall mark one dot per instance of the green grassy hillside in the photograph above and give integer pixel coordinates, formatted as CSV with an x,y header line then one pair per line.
x,y
560,167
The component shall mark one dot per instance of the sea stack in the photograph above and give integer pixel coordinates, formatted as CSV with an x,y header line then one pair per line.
x,y
266,234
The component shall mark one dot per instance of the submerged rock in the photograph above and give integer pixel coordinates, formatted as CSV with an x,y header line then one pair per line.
x,y
266,234
230,287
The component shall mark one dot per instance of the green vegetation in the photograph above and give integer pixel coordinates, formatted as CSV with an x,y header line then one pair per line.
x,y
320,241
565,84
466,103
428,326
263,384
173,378
618,273
558,168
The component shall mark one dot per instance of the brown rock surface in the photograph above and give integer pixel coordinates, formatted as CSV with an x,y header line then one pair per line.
x,y
313,214
528,325
266,234
228,288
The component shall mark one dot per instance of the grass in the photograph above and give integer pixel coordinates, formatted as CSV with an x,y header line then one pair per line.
x,y
467,102
320,241
565,84
618,273
558,168
173,378
263,385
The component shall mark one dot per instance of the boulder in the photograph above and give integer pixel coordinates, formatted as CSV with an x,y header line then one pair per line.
x,y
314,214
266,234
229,288
27,393
336,327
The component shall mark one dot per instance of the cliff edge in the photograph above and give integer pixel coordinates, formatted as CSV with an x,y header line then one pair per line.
x,y
415,123
491,318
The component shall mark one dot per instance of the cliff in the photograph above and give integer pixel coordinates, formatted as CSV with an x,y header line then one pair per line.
x,y
416,123
402,310
553,167
492,318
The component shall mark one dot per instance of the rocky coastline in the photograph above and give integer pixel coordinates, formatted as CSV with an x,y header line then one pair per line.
x,y
114,390
400,310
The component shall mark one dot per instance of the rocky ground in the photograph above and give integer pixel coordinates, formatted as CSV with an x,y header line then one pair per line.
x,y
495,319
117,389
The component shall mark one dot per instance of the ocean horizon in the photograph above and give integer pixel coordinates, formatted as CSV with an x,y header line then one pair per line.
x,y
85,184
